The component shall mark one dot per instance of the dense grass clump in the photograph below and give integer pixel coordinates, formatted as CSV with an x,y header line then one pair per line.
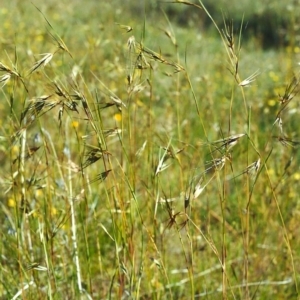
x,y
143,158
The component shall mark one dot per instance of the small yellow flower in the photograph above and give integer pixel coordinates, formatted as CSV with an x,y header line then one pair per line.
x,y
39,38
53,211
296,49
296,176
11,202
15,150
35,214
39,193
75,124
272,102
118,117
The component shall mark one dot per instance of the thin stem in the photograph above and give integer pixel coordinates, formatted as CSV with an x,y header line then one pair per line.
x,y
72,210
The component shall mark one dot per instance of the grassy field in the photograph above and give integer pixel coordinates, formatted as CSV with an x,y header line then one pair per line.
x,y
149,151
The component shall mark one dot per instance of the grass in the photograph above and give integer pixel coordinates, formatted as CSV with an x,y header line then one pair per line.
x,y
146,160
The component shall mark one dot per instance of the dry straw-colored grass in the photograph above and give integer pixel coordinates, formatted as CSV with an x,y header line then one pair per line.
x,y
133,168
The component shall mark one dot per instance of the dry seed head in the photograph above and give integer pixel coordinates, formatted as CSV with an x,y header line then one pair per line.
x,y
60,115
285,141
161,167
101,177
170,36
290,91
216,164
62,46
125,27
141,62
178,68
135,88
198,188
253,168
60,43
250,79
42,62
4,68
73,166
289,94
71,105
35,107
78,96
4,79
112,132
59,91
164,200
154,55
55,37
250,170
228,142
187,3
92,156
171,152
117,101
229,37
75,71
173,217
141,150
36,266
131,43
279,122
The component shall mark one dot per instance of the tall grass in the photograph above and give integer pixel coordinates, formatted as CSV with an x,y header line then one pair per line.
x,y
144,161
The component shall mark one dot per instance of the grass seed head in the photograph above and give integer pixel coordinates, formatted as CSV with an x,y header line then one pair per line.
x,y
290,91
125,27
249,80
4,79
227,143
47,57
286,141
101,177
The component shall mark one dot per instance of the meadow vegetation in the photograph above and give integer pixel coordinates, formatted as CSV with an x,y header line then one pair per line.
x,y
149,152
